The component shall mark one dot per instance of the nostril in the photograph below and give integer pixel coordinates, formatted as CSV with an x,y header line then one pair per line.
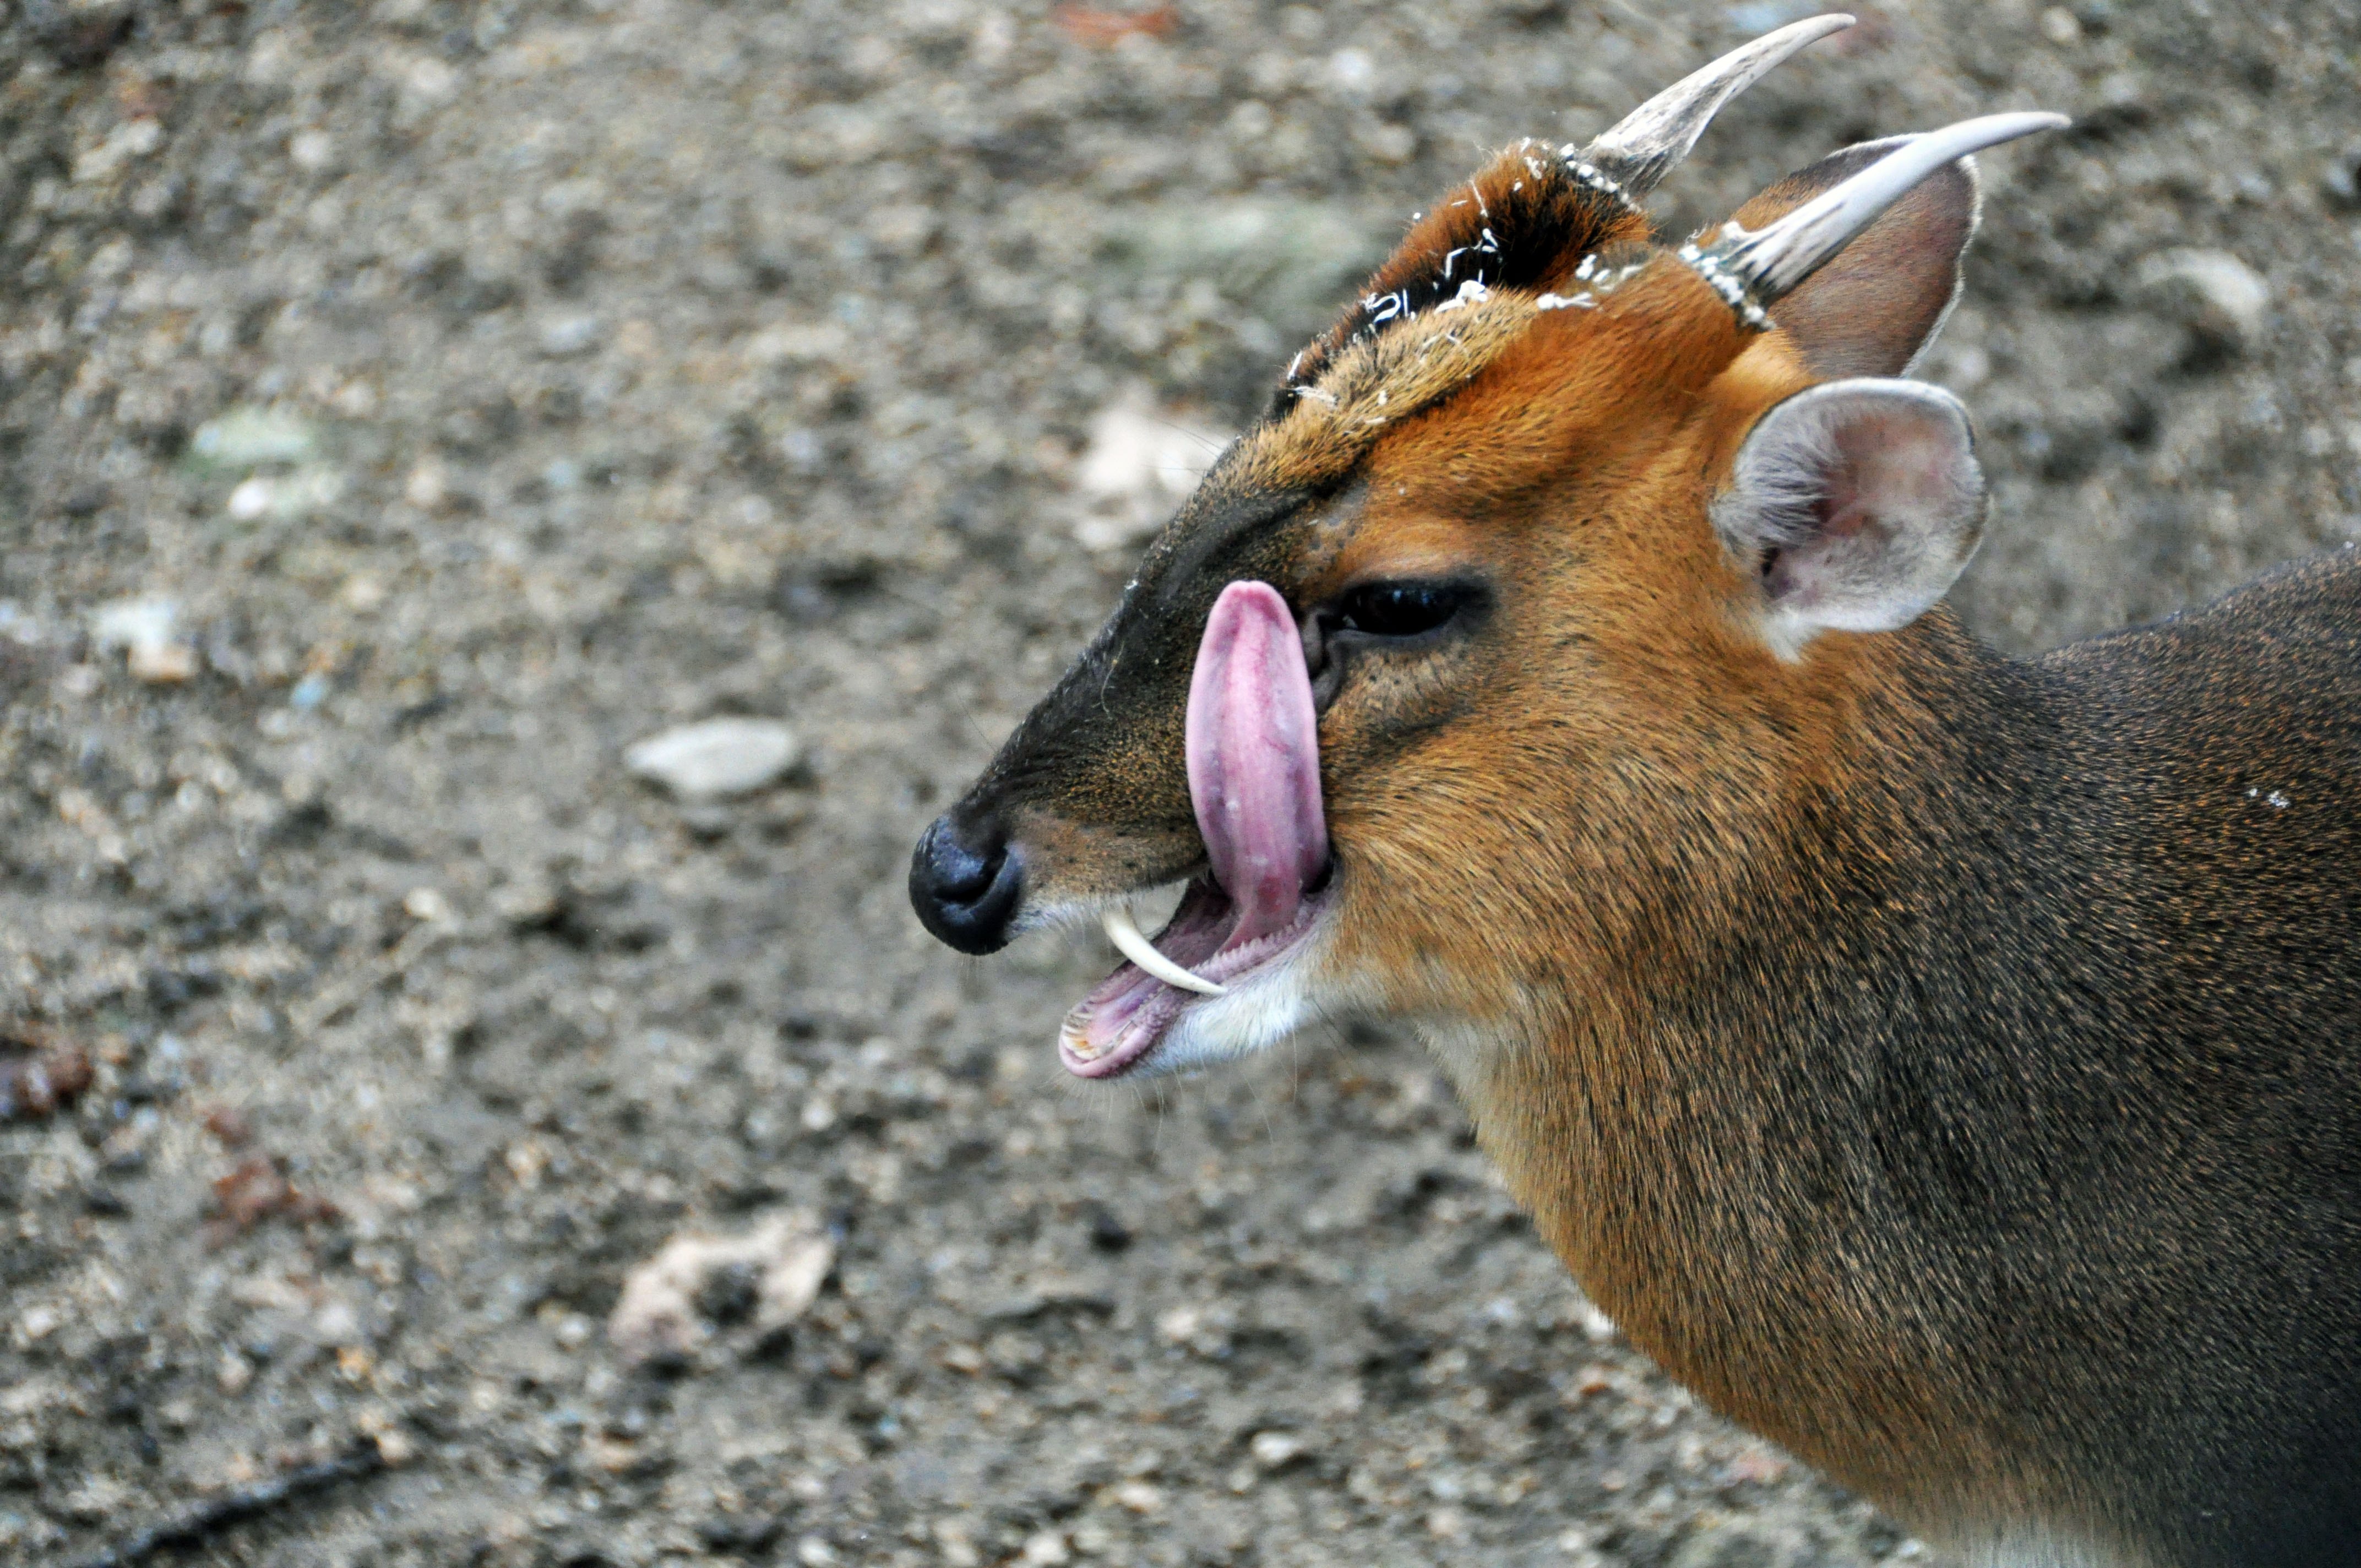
x,y
963,874
965,885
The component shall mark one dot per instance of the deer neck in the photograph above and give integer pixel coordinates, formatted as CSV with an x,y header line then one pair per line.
x,y
1711,1146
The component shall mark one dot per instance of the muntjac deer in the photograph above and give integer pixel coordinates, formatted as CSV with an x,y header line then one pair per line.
x,y
1948,1066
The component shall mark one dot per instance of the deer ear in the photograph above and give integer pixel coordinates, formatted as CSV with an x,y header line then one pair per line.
x,y
1874,308
1853,505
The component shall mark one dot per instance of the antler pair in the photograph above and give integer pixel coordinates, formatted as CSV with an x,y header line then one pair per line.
x,y
1751,270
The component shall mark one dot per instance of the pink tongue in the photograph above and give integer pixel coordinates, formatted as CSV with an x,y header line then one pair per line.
x,y
1254,759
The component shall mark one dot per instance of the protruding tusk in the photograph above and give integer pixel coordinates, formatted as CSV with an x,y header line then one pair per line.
x,y
1124,933
1648,143
1764,266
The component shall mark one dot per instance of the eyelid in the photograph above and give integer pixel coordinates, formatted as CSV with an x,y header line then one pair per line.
x,y
1446,600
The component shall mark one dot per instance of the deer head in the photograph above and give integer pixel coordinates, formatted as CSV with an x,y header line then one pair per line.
x,y
1495,646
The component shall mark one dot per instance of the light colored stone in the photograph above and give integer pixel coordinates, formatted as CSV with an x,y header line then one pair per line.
x,y
1140,463
656,1313
146,630
570,335
248,438
2221,299
716,759
1046,1549
1278,1450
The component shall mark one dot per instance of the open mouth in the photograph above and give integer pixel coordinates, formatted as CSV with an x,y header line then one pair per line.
x,y
1131,1010
1253,739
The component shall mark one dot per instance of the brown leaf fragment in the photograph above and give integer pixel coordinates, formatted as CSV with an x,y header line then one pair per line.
x,y
41,1073
258,1190
1105,29
229,1125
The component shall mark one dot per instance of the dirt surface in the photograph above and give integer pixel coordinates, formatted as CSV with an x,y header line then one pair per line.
x,y
404,408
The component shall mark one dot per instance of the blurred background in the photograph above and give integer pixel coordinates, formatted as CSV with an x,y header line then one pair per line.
x,y
511,516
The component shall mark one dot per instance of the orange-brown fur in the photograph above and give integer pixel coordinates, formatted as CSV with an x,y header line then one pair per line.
x,y
1570,845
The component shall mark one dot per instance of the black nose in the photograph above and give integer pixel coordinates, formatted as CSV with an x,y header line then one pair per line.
x,y
964,884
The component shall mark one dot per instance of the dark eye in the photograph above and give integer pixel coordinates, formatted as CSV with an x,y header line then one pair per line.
x,y
1399,609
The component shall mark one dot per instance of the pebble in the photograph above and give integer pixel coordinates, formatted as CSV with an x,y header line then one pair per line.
x,y
46,1079
248,438
656,1314
1046,1549
716,759
1140,463
2219,297
144,628
2340,179
570,335
425,903
1278,1450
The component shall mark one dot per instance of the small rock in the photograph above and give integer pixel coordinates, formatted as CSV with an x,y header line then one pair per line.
x,y
2222,301
428,487
425,903
249,501
247,438
49,1075
230,1125
311,150
657,1316
38,1323
143,629
1141,462
570,335
285,497
2340,180
337,1323
717,759
97,1501
1046,1549
1278,1450
258,1190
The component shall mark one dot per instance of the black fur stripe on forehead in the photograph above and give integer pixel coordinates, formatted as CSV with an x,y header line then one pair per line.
x,y
1525,221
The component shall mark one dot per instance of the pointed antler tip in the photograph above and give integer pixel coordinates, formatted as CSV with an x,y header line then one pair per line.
x,y
1765,264
1645,144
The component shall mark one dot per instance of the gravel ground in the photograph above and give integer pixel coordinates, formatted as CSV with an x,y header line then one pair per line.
x,y
406,408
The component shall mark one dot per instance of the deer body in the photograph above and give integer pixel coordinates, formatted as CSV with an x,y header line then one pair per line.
x,y
1944,1065
1993,1146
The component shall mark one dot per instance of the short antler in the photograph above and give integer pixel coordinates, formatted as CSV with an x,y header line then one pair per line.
x,y
1648,143
1752,270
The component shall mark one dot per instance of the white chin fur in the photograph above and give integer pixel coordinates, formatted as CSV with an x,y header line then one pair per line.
x,y
1261,1010
1254,1016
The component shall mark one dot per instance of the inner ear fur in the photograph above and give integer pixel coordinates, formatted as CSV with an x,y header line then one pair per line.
x,y
1853,505
1873,309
